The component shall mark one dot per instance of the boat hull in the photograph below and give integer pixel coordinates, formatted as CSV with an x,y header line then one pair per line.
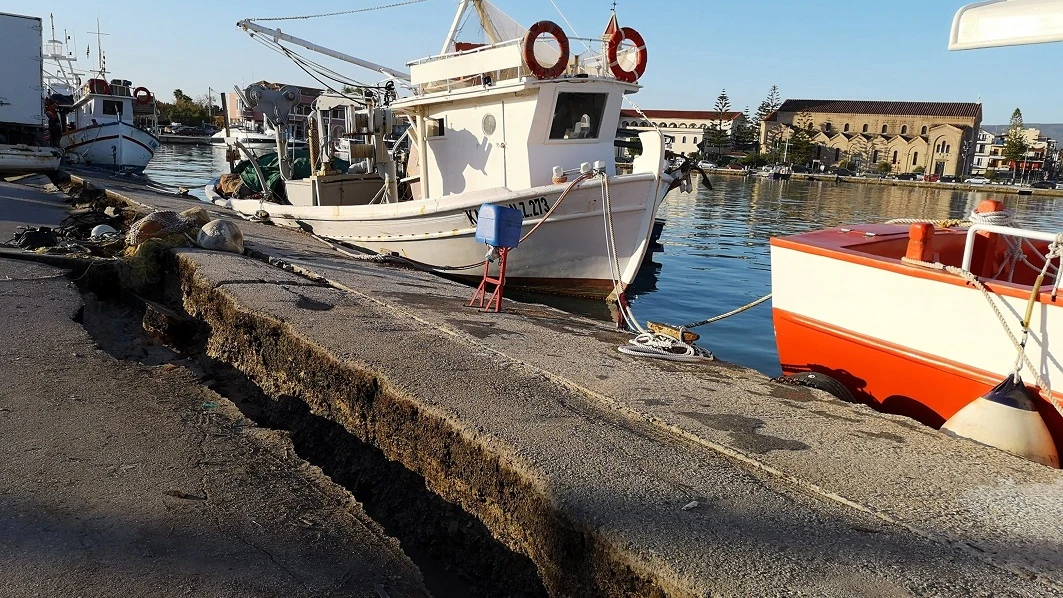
x,y
113,146
25,159
904,339
567,254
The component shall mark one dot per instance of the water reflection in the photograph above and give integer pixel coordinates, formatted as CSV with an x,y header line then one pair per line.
x,y
715,242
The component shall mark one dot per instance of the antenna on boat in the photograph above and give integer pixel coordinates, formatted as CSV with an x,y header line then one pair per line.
x,y
99,48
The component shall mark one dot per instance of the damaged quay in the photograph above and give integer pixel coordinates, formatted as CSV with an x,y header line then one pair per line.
x,y
401,350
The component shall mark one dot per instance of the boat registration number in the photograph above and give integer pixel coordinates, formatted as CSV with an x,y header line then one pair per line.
x,y
531,208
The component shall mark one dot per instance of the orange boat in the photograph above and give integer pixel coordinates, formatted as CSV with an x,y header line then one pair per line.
x,y
935,323
909,330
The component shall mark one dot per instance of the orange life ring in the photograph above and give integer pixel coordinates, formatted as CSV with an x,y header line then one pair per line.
x,y
99,86
618,36
143,99
528,46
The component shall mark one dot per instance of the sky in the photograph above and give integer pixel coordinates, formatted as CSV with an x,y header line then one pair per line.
x,y
859,50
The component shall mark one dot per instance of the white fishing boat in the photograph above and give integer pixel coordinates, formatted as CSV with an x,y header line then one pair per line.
x,y
520,122
22,131
950,326
250,137
104,124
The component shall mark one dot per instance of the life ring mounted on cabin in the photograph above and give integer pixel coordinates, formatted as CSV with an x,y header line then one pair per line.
x,y
143,98
528,47
613,54
99,86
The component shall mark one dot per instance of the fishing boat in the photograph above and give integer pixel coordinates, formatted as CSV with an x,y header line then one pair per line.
x,y
926,320
104,124
22,131
519,121
250,137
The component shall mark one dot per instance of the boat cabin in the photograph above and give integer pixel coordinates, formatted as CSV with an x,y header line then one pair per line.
x,y
491,116
101,102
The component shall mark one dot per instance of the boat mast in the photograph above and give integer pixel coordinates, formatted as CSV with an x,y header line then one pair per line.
x,y
485,22
454,26
248,25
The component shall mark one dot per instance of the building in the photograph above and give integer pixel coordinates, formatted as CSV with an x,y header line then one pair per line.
x,y
240,114
982,151
1039,161
686,128
935,137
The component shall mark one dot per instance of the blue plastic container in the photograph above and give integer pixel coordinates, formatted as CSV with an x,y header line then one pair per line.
x,y
499,226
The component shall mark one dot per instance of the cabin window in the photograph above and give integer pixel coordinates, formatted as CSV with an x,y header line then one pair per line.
x,y
578,115
435,127
112,107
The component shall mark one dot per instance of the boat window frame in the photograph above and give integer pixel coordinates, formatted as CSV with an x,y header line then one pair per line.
x,y
607,97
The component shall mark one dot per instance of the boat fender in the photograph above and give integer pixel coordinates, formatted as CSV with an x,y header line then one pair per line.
x,y
1006,418
528,50
613,54
822,382
143,98
221,235
102,229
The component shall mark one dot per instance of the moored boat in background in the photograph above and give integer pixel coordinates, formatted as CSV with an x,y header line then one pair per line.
x,y
104,124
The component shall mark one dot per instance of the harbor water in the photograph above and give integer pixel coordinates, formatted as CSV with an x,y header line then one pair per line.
x,y
715,242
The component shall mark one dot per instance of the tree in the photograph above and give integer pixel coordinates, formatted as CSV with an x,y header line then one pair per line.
x,y
766,109
1015,143
743,134
722,107
884,167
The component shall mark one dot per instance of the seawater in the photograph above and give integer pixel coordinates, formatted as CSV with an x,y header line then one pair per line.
x,y
716,252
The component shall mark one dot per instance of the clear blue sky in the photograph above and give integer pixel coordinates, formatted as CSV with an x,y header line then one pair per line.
x,y
888,50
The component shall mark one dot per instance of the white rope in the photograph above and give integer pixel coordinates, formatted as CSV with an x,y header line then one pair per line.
x,y
646,343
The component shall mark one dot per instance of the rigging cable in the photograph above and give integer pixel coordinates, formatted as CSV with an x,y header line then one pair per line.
x,y
339,13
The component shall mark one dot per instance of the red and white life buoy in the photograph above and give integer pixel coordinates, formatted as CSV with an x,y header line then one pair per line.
x,y
99,86
613,49
528,46
145,98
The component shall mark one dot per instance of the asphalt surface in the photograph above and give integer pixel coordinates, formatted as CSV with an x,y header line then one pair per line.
x,y
122,475
706,479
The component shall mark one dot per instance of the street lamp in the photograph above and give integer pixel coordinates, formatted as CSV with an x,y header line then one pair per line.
x,y
210,105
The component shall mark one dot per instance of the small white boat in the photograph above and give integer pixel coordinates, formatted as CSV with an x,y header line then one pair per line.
x,y
24,159
488,124
251,138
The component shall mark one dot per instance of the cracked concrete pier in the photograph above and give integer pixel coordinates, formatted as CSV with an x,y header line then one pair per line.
x,y
617,476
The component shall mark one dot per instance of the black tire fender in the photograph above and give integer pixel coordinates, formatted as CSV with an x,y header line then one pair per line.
x,y
822,382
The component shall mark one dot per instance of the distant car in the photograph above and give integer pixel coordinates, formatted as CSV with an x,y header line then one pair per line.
x,y
842,172
706,164
798,168
947,178
735,166
1044,185
907,176
977,180
931,178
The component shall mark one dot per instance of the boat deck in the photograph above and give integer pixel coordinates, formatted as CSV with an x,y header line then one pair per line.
x,y
616,474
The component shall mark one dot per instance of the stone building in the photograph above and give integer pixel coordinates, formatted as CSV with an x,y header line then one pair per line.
x,y
686,128
935,137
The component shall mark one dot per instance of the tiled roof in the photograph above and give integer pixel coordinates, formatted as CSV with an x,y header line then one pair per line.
x,y
953,109
681,114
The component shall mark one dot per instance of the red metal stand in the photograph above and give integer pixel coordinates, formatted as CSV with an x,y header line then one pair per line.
x,y
500,282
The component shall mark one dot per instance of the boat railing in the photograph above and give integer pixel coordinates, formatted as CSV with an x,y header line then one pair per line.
x,y
968,248
502,61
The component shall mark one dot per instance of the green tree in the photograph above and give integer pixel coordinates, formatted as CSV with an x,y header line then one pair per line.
x,y
766,109
743,133
720,137
884,167
1015,143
